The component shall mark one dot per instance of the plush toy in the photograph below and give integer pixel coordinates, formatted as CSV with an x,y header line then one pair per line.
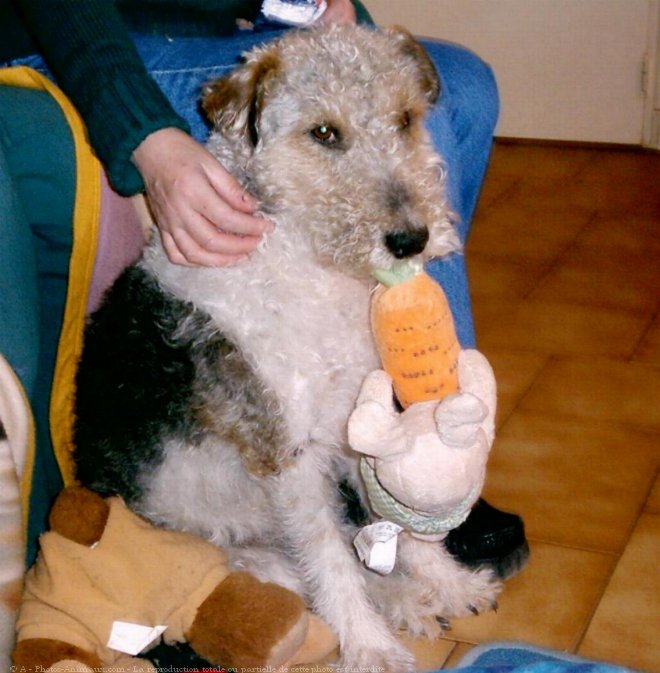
x,y
423,466
107,584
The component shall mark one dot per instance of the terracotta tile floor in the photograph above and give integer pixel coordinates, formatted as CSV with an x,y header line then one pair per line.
x,y
564,260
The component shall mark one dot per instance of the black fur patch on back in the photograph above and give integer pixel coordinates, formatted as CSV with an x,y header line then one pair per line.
x,y
133,385
153,369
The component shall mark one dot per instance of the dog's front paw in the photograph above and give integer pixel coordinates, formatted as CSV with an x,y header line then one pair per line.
x,y
449,588
466,592
392,657
472,592
406,603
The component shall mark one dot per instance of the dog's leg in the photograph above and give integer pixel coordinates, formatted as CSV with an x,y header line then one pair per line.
x,y
406,602
445,588
308,504
267,565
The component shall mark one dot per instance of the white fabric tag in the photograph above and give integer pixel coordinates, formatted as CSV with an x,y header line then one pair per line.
x,y
376,545
293,12
132,638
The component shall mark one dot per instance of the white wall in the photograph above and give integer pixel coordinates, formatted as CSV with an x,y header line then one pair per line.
x,y
652,122
567,69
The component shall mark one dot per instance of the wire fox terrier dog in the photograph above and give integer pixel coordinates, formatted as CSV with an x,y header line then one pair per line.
x,y
216,400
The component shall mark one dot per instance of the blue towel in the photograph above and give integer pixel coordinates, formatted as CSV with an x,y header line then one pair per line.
x,y
522,658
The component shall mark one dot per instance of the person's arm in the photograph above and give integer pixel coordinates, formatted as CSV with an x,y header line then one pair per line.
x,y
202,212
87,46
339,11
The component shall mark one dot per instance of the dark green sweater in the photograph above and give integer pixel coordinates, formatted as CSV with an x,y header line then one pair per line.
x,y
87,46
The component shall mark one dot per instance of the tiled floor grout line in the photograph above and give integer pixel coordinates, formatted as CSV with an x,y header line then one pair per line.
x,y
556,262
579,639
504,420
648,494
587,550
622,425
515,183
619,556
642,337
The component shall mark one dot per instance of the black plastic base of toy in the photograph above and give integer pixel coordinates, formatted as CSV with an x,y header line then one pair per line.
x,y
492,538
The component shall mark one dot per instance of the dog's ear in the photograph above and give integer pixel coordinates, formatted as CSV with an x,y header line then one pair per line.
x,y
233,103
429,79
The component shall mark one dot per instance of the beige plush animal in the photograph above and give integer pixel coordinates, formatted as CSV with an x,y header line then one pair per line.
x,y
423,467
107,584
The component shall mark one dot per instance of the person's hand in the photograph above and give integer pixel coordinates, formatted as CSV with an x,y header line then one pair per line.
x,y
338,11
204,215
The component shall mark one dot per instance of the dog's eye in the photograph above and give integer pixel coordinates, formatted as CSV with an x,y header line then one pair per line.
x,y
325,134
405,120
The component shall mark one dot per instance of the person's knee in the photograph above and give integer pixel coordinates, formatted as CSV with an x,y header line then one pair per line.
x,y
467,83
40,156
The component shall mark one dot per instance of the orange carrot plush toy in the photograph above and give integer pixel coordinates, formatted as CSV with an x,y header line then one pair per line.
x,y
415,336
423,467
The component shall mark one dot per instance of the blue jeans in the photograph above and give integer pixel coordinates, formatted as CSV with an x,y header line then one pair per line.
x,y
461,124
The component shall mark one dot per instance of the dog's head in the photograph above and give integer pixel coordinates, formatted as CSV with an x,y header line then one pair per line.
x,y
326,128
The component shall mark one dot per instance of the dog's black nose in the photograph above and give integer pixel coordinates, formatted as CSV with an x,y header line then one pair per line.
x,y
407,242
